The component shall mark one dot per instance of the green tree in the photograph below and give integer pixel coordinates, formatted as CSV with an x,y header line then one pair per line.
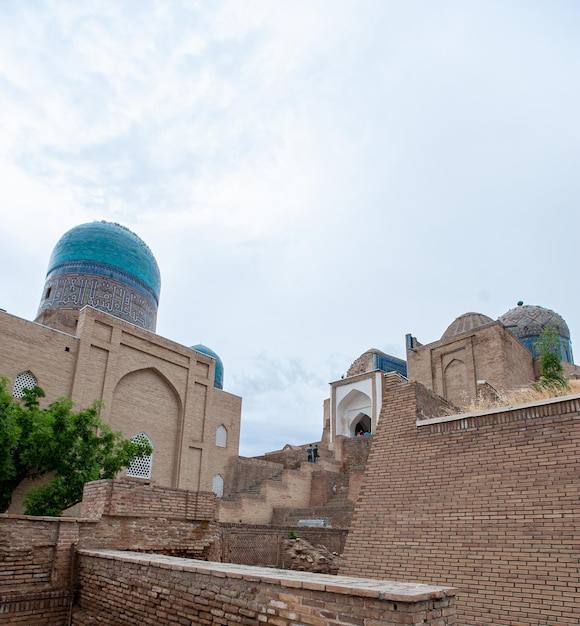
x,y
73,447
551,368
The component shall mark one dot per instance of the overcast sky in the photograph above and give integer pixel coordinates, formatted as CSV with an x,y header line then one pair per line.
x,y
315,178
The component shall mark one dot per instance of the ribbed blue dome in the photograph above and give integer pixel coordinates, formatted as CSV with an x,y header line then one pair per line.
x,y
218,382
110,244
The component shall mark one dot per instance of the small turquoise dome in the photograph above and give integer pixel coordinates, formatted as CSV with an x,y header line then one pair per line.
x,y
218,382
109,244
105,266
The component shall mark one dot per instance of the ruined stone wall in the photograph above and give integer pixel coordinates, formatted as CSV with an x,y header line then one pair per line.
x,y
488,503
128,588
261,545
246,475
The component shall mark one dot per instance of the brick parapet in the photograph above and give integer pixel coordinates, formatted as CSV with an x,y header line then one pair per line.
x,y
189,592
134,499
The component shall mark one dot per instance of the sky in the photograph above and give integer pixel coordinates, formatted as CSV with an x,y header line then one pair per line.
x,y
314,177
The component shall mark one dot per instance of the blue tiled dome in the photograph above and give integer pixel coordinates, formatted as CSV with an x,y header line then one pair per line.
x,y
218,382
527,321
104,266
108,244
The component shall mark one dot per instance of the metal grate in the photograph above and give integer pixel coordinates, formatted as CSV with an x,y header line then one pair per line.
x,y
25,380
141,468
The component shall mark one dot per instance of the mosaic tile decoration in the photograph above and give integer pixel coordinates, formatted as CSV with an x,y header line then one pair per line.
x,y
526,322
111,294
387,363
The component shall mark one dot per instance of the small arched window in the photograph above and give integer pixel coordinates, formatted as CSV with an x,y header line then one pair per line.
x,y
217,485
24,380
141,468
221,436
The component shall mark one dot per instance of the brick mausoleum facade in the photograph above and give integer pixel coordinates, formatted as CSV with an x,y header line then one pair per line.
x,y
475,515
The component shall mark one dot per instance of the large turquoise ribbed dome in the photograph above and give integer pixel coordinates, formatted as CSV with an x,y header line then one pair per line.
x,y
110,244
218,382
105,266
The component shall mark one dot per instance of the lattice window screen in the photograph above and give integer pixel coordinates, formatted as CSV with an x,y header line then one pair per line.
x,y
25,380
217,485
141,468
221,436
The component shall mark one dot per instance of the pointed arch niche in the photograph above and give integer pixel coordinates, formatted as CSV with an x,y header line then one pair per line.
x,y
353,411
145,402
217,485
456,382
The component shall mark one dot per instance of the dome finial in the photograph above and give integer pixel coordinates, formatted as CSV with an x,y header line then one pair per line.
x,y
520,303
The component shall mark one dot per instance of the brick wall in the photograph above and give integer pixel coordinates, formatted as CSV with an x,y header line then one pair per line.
x,y
261,545
355,450
487,502
246,475
149,589
489,353
127,497
36,569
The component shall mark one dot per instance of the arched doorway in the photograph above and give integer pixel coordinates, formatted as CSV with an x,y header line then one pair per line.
x,y
361,425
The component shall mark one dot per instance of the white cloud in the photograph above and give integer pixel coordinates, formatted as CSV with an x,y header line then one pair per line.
x,y
314,178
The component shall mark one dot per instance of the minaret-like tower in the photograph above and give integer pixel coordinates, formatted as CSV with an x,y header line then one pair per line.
x,y
105,266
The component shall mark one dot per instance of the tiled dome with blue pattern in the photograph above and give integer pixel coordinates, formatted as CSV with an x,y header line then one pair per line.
x,y
111,244
527,321
218,382
104,266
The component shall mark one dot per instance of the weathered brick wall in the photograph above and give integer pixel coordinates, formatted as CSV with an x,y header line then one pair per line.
x,y
488,503
355,450
130,515
128,497
36,569
245,474
363,364
291,457
489,353
260,545
125,588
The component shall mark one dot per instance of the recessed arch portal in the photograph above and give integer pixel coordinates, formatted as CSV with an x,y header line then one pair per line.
x,y
144,401
350,410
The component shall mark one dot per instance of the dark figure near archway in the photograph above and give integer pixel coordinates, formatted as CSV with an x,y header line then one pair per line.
x,y
362,426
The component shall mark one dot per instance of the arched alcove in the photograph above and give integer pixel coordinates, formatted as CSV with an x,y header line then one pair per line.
x,y
217,485
349,409
221,436
361,425
145,402
456,384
